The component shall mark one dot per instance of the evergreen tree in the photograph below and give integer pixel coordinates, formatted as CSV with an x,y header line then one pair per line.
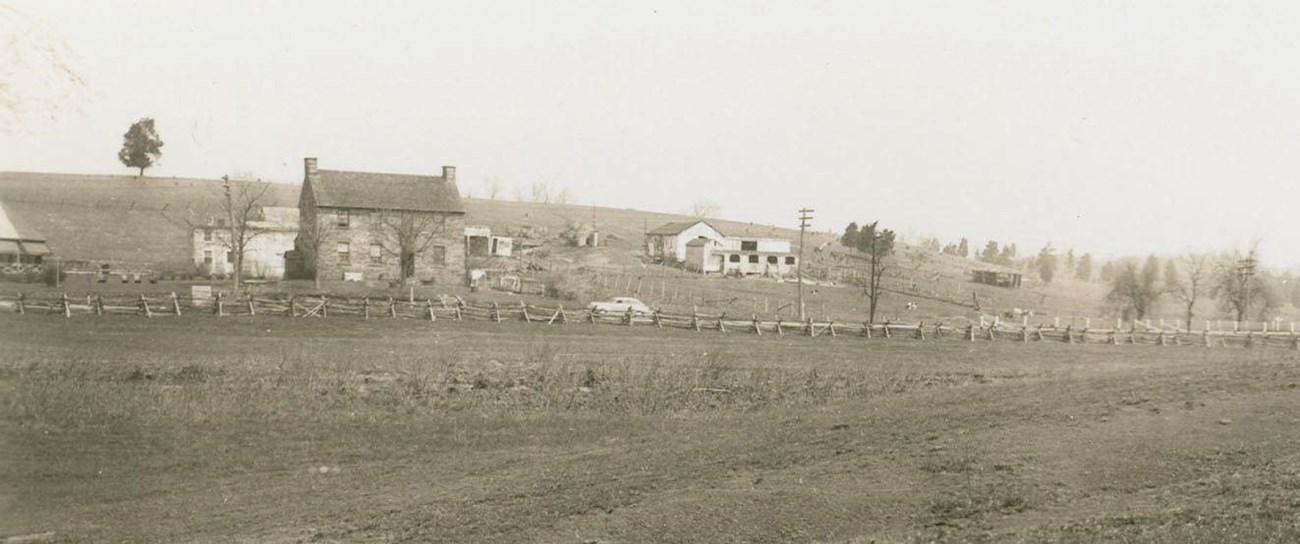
x,y
1083,269
990,253
1047,263
850,237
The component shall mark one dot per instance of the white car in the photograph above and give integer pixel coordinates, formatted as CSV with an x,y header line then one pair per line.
x,y
620,305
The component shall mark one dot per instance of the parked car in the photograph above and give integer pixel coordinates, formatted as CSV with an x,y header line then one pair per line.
x,y
620,305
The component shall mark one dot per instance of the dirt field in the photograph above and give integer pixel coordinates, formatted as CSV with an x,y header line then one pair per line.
x,y
279,430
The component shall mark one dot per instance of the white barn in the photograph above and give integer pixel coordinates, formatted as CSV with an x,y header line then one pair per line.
x,y
743,256
668,241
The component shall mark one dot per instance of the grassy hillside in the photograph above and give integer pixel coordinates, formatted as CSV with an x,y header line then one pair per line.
x,y
118,218
145,222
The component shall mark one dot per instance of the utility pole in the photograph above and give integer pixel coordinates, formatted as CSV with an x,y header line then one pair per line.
x,y
230,217
804,217
1246,267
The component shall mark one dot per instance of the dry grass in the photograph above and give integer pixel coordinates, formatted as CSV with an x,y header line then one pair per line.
x,y
350,430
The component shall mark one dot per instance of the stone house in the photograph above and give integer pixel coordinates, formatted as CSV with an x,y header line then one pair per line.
x,y
365,226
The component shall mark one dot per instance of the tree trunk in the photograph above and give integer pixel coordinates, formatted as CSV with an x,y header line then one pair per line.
x,y
141,172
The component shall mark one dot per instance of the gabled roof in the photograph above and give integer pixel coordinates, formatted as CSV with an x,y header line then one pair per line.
x,y
669,229
374,191
10,232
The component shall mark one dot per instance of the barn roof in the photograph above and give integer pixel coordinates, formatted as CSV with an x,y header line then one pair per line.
x,y
10,232
375,191
676,227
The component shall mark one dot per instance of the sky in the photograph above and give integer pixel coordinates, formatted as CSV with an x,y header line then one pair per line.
x,y
1117,128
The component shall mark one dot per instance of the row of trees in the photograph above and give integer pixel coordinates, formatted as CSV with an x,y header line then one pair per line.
x,y
1139,286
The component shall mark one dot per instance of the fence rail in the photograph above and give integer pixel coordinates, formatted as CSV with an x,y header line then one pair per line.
x,y
457,308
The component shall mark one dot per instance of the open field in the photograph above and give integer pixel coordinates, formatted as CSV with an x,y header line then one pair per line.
x,y
266,429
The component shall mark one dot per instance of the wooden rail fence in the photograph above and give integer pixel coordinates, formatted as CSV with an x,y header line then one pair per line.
x,y
457,308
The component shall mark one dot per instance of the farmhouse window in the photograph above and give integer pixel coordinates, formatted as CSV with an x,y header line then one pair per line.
x,y
771,259
437,255
230,256
376,253
735,258
753,258
207,257
207,235
345,252
344,218
749,246
789,260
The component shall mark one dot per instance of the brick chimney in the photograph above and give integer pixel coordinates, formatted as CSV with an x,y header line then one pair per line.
x,y
309,167
449,174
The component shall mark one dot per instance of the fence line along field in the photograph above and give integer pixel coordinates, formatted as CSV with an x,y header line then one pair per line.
x,y
262,428
457,308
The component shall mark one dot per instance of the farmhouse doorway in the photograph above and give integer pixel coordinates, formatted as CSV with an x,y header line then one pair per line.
x,y
408,265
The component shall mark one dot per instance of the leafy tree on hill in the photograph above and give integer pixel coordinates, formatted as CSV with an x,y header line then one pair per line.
x,y
850,237
1007,255
877,244
1083,269
1107,271
141,145
963,249
1134,290
1070,261
990,253
1046,263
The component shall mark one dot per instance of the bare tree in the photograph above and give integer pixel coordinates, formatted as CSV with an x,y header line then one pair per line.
x,y
492,187
704,208
563,196
406,235
312,233
243,208
877,245
1198,268
540,193
1240,287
